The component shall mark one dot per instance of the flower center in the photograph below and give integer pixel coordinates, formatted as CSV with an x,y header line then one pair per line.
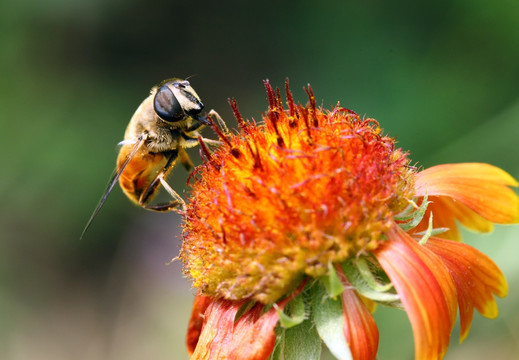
x,y
283,199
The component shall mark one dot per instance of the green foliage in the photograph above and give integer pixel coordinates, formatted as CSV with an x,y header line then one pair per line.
x,y
328,317
298,342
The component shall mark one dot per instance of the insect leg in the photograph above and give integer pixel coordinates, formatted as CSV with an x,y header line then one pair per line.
x,y
190,136
151,190
178,200
212,142
203,121
220,121
196,126
185,160
220,124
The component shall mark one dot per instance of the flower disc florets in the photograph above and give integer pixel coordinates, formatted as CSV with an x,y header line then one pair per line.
x,y
284,199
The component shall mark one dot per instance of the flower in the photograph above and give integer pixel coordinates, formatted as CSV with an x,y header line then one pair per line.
x,y
299,226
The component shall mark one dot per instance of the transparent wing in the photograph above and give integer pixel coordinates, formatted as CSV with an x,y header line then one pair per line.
x,y
113,180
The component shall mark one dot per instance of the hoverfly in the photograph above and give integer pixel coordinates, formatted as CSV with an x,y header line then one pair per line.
x,y
166,123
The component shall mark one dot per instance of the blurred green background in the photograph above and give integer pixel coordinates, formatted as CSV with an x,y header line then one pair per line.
x,y
441,76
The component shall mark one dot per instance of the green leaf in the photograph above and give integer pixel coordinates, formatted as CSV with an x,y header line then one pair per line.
x,y
328,318
332,283
299,342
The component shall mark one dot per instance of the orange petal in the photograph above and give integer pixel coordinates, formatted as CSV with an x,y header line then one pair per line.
x,y
482,187
360,329
370,304
196,321
476,278
445,213
425,289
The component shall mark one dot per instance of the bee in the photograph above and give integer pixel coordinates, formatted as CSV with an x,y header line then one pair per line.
x,y
165,124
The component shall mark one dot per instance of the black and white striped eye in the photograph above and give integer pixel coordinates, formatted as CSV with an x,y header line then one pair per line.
x,y
167,106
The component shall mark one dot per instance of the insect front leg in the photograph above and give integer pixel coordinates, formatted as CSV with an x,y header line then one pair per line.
x,y
220,122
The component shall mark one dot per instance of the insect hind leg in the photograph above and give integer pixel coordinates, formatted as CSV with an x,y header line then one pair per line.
x,y
176,204
185,160
177,199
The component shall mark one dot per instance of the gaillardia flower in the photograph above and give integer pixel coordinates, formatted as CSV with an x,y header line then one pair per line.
x,y
298,226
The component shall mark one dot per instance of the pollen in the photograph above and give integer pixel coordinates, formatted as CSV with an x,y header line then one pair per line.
x,y
282,199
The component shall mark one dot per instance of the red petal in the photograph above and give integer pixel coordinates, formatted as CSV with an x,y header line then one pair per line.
x,y
476,278
254,336
481,187
360,329
425,289
196,321
251,337
218,325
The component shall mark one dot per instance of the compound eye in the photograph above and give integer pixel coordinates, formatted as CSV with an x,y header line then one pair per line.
x,y
167,106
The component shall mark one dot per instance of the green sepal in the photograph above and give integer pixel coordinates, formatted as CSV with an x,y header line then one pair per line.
x,y
428,232
366,284
413,218
434,231
244,308
364,271
331,282
293,314
407,213
328,317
